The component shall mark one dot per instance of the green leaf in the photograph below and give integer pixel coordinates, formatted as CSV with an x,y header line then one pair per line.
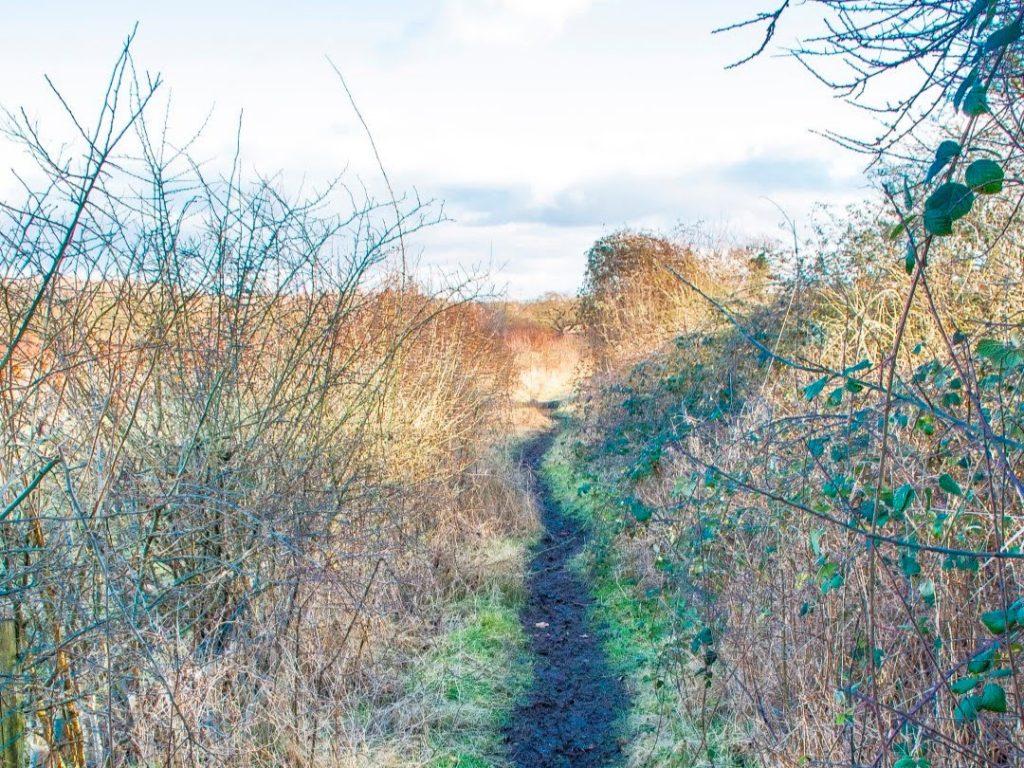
x,y
947,151
927,591
996,622
985,176
976,101
685,487
814,389
702,639
999,353
831,577
900,228
977,9
966,710
964,685
861,365
950,486
966,85
902,497
640,511
991,349
1003,37
816,541
993,698
951,201
909,564
981,661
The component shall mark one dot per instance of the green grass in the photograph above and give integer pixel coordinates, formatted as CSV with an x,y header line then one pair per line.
x,y
454,696
473,675
640,632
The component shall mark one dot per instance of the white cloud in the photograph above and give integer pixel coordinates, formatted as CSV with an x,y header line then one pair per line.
x,y
542,122
510,21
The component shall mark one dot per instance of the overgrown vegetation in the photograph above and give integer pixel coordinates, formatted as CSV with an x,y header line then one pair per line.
x,y
457,692
818,470
259,501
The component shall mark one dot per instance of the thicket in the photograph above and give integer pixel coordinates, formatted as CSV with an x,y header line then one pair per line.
x,y
243,455
820,475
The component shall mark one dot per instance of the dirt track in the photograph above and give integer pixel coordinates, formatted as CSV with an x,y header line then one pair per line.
x,y
568,719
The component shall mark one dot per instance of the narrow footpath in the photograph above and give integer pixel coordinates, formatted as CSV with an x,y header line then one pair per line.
x,y
569,717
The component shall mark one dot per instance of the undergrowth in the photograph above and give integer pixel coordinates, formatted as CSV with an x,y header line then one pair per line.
x,y
457,694
473,676
830,529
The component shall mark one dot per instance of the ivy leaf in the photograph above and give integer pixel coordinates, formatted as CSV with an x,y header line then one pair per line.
x,y
951,201
993,698
976,101
950,486
947,151
985,176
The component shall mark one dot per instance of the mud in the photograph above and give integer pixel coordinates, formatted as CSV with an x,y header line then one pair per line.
x,y
570,716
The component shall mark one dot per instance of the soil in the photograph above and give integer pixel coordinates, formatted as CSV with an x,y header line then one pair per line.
x,y
570,716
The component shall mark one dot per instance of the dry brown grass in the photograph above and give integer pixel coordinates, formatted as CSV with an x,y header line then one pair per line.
x,y
248,465
632,302
547,355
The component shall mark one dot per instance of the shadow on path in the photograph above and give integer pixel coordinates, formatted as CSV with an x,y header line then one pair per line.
x,y
569,717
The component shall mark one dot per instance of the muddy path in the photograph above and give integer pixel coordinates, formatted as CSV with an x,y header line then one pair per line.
x,y
568,718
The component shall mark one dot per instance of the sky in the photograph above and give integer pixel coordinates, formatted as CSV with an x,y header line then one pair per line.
x,y
535,126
